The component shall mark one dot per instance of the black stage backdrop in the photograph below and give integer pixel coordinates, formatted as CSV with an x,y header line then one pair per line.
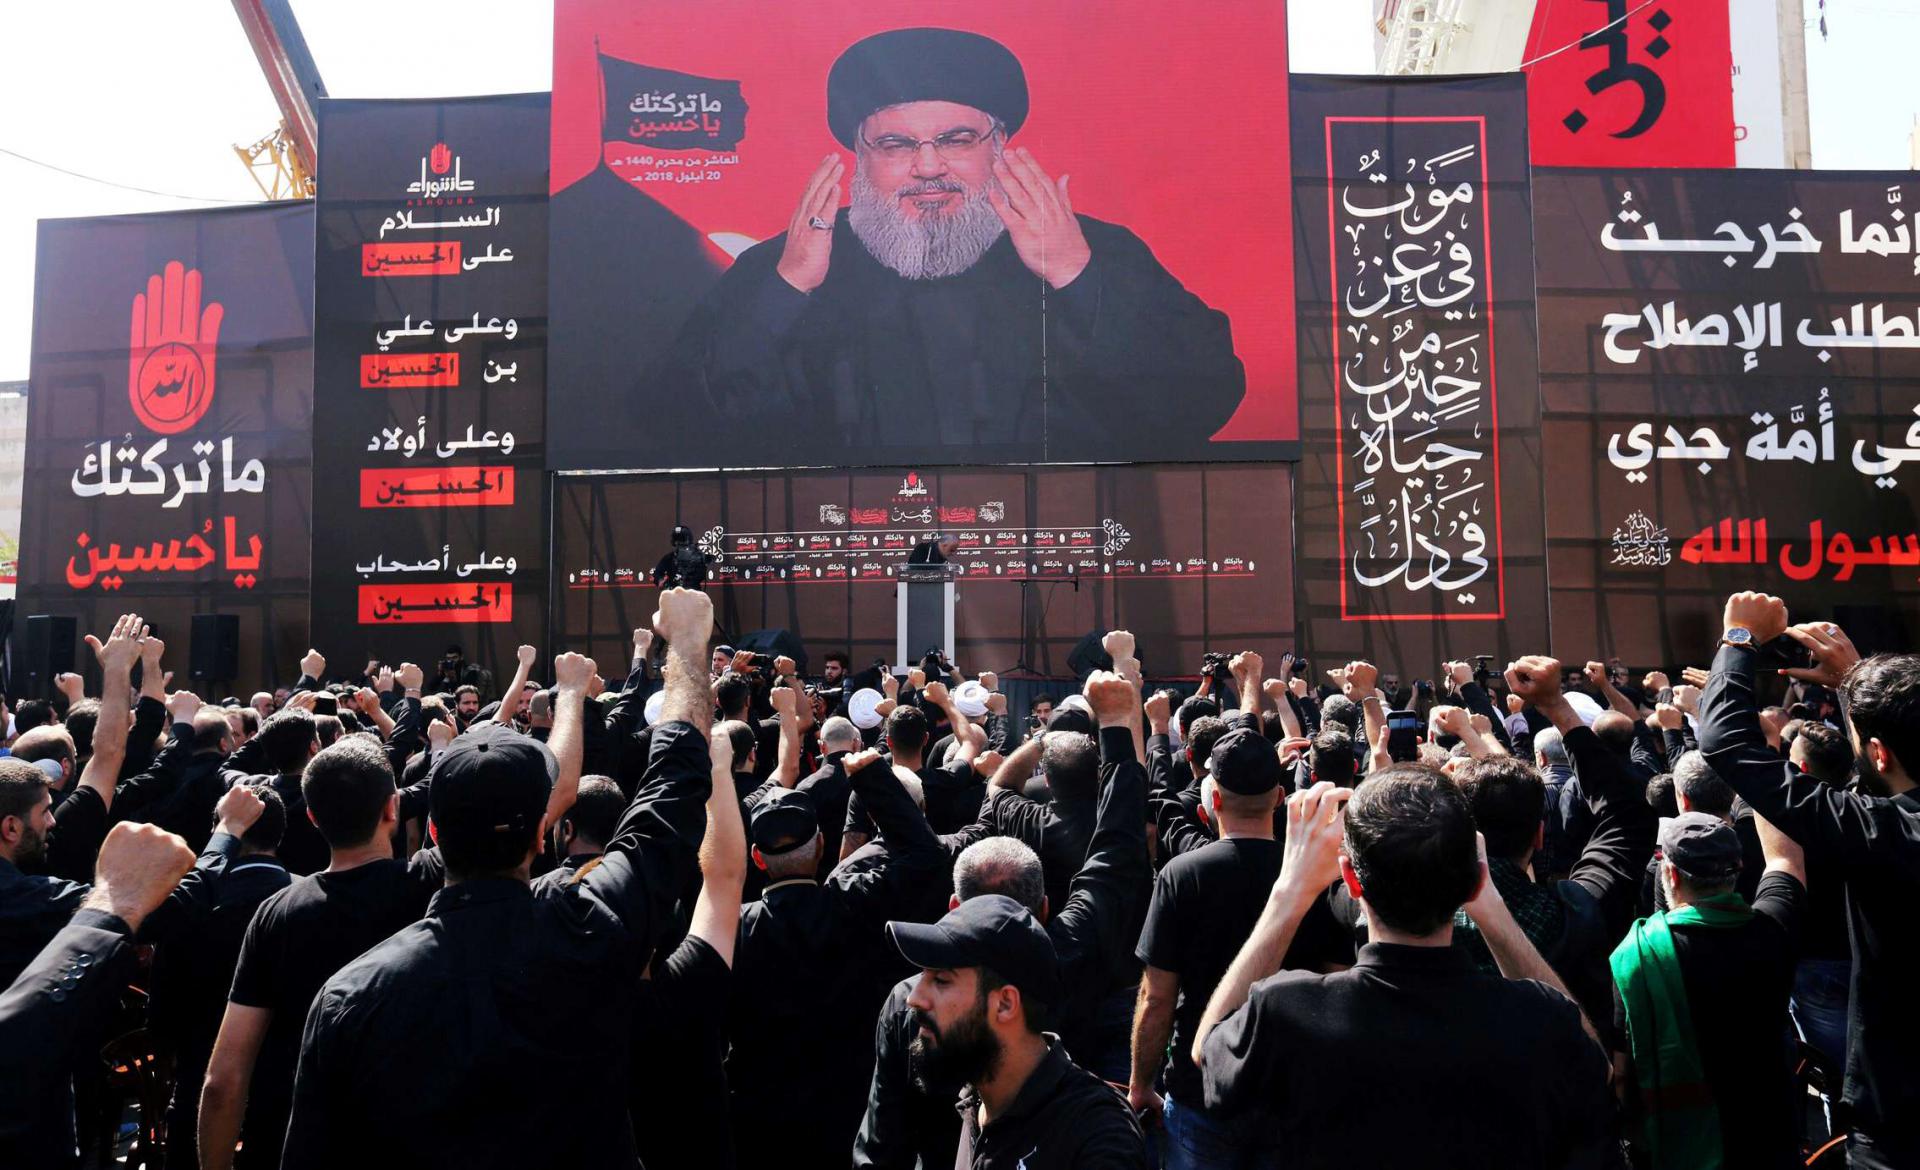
x,y
431,318
168,428
1731,369
1419,523
1179,555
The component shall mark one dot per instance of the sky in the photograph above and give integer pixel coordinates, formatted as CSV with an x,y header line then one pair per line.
x,y
155,93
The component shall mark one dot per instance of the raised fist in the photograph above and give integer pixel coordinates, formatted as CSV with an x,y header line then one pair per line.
x,y
1459,674
182,706
1535,678
1112,697
642,642
916,679
137,868
1666,717
1360,679
172,351
1686,696
684,619
784,667
366,699
409,677
987,763
150,652
313,664
1515,704
525,655
1449,720
571,671
1118,644
1596,674
439,734
936,694
1159,708
1246,664
783,703
1762,613
890,685
1655,682
990,680
858,761
720,754
238,809
996,703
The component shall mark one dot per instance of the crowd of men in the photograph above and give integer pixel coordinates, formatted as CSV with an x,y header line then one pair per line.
x,y
720,915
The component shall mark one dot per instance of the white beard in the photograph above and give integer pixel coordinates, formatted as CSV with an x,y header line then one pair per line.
x,y
923,248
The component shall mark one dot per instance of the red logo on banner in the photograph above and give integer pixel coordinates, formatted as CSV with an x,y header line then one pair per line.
x,y
171,355
441,259
440,158
436,487
959,515
385,605
1616,84
388,371
869,515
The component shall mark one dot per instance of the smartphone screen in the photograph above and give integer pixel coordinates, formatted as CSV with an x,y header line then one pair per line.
x,y
1403,736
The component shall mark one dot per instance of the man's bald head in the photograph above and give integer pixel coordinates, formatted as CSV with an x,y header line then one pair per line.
x,y
838,734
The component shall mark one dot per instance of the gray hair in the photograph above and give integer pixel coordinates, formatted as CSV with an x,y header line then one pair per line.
x,y
1000,865
1550,747
839,732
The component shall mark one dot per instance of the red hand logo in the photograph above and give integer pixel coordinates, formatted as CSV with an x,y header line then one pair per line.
x,y
440,158
171,354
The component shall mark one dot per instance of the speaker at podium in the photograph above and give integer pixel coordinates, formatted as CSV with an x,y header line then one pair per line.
x,y
924,600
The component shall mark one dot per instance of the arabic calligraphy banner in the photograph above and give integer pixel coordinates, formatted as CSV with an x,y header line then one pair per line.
x,y
169,426
724,297
1165,551
1626,84
1731,374
431,315
1419,531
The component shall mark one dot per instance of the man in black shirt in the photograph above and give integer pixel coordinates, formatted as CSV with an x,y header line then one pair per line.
x,y
280,754
987,975
910,1111
1058,828
298,938
197,933
1871,837
1574,923
829,787
1414,1057
53,1014
809,971
1205,903
471,1013
584,831
1726,1032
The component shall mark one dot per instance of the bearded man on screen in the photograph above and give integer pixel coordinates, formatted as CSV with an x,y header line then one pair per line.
x,y
959,301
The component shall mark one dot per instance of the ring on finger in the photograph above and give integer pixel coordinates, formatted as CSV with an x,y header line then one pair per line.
x,y
818,224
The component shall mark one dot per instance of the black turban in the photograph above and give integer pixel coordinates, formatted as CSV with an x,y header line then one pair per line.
x,y
924,65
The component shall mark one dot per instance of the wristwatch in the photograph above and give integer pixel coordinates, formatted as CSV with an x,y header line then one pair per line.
x,y
1737,636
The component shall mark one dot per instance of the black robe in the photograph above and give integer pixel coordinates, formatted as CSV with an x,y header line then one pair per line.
x,y
991,365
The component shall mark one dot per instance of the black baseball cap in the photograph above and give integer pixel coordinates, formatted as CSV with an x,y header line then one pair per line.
x,y
1243,761
992,931
492,779
784,820
1701,846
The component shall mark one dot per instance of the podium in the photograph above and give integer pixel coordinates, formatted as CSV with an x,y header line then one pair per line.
x,y
923,601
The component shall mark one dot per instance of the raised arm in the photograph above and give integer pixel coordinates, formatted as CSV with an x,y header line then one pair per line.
x,y
723,859
567,740
1596,673
116,656
1103,899
510,700
1513,952
1831,823
654,850
787,704
1246,668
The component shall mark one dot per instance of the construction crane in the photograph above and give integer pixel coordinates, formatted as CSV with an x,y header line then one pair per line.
x,y
283,163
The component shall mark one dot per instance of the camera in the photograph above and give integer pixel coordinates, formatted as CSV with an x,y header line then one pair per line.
x,y
1213,665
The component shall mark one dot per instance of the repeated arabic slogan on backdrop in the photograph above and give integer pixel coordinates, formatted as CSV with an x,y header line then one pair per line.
x,y
1418,455
432,342
1732,385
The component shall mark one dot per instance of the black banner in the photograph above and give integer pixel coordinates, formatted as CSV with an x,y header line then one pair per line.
x,y
431,318
1731,370
168,427
1044,556
671,110
1419,528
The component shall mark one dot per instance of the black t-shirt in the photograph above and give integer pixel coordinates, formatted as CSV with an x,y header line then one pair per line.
x,y
680,1102
1737,982
295,943
1204,905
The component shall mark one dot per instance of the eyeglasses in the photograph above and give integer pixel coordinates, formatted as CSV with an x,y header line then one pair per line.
x,y
954,144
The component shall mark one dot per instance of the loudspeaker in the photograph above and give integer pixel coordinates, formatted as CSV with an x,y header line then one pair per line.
x,y
216,647
1088,657
47,645
773,643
